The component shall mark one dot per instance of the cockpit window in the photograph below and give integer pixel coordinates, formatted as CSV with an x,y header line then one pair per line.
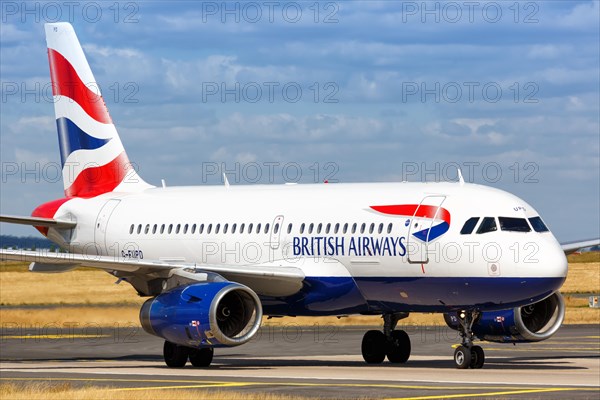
x,y
487,225
538,225
469,226
514,224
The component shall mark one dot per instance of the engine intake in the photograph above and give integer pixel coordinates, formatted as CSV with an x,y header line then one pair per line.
x,y
531,323
204,315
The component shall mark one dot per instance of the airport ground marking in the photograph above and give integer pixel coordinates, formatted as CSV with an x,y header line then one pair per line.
x,y
489,394
298,384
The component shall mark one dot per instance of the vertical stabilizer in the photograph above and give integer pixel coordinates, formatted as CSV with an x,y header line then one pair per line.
x,y
92,155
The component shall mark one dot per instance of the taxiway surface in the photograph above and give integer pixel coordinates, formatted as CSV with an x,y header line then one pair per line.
x,y
314,361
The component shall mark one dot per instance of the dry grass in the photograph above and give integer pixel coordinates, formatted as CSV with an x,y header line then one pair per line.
x,y
75,287
582,278
587,257
50,391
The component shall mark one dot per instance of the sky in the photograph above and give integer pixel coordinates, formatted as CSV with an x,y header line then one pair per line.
x,y
344,91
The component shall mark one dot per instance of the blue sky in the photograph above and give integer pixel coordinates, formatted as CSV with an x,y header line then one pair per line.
x,y
349,90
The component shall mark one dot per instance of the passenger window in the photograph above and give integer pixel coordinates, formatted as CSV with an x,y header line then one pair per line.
x,y
154,229
170,229
468,227
289,228
257,228
147,229
372,228
319,228
193,229
131,228
266,228
345,227
162,229
209,228
336,229
389,228
354,227
185,228
487,225
538,225
302,228
233,227
327,228
225,227
362,228
310,228
250,228
217,229
514,224
242,226
276,229
178,228
201,229
380,228
139,230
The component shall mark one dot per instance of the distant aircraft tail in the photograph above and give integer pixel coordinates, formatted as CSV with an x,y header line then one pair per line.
x,y
93,158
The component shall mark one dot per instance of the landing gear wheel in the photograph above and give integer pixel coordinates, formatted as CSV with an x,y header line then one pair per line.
x,y
373,347
477,357
398,349
462,357
175,356
201,357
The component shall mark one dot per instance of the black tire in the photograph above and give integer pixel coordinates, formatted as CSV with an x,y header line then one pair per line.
x,y
477,357
398,350
175,356
373,347
462,357
201,357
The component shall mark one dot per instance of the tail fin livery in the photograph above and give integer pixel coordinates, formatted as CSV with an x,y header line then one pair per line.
x,y
93,158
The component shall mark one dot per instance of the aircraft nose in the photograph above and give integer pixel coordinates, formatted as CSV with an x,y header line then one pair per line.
x,y
555,261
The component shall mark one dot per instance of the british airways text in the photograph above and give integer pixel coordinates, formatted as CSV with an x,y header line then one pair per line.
x,y
353,246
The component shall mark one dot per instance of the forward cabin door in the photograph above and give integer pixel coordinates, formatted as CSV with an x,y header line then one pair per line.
x,y
420,228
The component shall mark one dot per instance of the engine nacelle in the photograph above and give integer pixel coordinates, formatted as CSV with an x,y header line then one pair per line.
x,y
208,314
532,323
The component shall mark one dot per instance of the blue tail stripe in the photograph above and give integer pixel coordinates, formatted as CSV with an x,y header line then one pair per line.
x,y
71,138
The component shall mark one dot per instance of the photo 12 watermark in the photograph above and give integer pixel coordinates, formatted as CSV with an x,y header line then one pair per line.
x,y
127,12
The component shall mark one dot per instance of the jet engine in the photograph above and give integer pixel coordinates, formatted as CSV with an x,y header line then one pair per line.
x,y
531,323
211,314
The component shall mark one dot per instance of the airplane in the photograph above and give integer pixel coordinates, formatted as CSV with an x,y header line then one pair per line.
x,y
213,260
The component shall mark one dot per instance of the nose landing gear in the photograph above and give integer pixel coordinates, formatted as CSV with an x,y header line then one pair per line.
x,y
468,355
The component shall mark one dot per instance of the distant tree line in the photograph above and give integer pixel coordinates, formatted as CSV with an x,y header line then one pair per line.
x,y
26,243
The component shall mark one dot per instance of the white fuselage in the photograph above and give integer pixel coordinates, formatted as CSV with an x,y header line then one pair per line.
x,y
332,231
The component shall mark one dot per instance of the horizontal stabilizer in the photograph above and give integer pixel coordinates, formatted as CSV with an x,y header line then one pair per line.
x,y
38,221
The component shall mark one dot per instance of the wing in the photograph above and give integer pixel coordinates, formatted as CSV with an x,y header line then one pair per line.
x,y
572,247
37,221
145,275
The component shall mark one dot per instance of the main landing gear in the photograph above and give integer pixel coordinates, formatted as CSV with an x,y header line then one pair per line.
x,y
467,355
395,344
176,356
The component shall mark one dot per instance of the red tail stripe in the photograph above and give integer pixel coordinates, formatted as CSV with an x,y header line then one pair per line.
x,y
66,82
94,181
425,211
